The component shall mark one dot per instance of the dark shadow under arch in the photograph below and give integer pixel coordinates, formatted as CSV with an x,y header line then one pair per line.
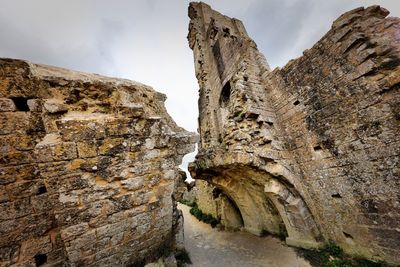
x,y
267,204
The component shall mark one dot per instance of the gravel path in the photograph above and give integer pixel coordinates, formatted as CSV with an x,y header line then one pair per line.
x,y
212,248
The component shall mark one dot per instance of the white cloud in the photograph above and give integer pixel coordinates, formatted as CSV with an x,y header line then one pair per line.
x,y
145,40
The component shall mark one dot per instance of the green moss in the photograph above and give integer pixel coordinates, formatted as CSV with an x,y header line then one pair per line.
x,y
332,255
239,115
333,250
182,258
207,218
187,202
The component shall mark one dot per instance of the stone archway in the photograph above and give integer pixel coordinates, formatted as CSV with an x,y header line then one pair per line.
x,y
266,204
231,217
300,226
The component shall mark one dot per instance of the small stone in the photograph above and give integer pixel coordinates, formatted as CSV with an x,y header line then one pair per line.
x,y
34,105
55,106
6,104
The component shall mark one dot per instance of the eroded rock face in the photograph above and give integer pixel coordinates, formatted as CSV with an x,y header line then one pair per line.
x,y
87,168
313,146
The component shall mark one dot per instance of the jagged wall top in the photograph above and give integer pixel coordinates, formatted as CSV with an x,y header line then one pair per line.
x,y
323,128
87,168
202,16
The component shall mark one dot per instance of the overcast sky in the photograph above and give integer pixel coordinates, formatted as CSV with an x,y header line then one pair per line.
x,y
145,40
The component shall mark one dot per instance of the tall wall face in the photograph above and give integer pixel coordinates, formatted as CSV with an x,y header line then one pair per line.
x,y
313,145
87,168
345,91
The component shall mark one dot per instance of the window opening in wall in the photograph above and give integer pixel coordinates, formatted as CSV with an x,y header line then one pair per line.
x,y
347,235
317,148
296,102
42,190
225,94
253,116
216,193
227,32
40,259
21,103
337,195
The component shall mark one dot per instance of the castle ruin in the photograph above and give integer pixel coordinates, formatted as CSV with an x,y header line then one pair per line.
x,y
309,151
88,167
89,164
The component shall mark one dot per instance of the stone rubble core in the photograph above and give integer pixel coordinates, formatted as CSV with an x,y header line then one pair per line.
x,y
311,150
88,168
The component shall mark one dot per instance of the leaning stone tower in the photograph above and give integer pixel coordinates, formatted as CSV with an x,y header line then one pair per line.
x,y
311,150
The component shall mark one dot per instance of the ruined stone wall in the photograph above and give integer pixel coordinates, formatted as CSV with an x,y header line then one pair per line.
x,y
310,150
205,199
87,168
339,106
213,201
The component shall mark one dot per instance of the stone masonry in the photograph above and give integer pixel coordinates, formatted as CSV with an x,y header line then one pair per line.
x,y
310,151
87,169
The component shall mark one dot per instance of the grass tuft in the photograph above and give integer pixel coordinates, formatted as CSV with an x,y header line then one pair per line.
x,y
203,217
332,255
187,202
182,257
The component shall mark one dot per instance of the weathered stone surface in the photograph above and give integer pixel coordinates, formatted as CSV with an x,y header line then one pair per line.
x,y
87,169
169,261
55,106
34,105
7,105
310,150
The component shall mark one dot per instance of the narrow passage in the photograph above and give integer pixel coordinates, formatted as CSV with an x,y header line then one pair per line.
x,y
209,247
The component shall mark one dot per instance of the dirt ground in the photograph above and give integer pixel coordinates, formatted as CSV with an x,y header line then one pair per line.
x,y
210,247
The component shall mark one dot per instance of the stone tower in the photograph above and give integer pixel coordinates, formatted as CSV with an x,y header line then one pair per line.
x,y
310,151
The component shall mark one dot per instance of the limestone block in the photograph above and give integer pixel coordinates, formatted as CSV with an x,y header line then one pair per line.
x,y
112,146
68,199
133,183
81,129
45,151
132,110
35,105
103,194
55,106
120,127
87,149
73,231
24,142
7,104
16,157
61,183
9,254
12,122
43,202
169,261
4,197
32,247
24,172
17,208
82,243
26,189
170,175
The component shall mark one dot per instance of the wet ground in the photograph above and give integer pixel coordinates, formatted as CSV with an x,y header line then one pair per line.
x,y
212,248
